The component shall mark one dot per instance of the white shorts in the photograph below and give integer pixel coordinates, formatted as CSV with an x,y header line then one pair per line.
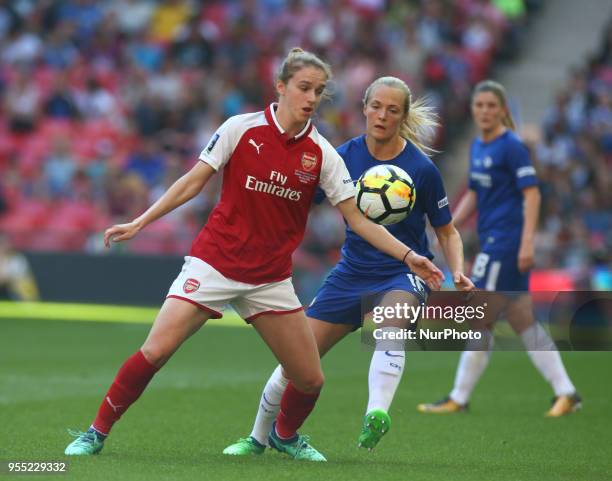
x,y
204,286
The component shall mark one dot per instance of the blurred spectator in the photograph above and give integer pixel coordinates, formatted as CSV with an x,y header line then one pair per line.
x,y
132,16
168,18
85,15
147,162
95,101
16,280
433,26
22,102
127,195
10,21
167,83
59,50
191,49
145,52
60,168
23,45
60,103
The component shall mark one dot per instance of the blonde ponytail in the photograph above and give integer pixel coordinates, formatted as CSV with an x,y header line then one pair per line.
x,y
420,123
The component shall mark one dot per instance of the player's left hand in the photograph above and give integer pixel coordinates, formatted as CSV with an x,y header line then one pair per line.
x,y
526,257
425,269
462,282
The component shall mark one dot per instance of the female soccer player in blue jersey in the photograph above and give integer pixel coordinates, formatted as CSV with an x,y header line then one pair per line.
x,y
393,125
503,189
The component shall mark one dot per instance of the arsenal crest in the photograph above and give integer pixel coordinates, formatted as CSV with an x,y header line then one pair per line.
x,y
191,285
309,161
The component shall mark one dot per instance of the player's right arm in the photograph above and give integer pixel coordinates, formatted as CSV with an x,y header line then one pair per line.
x,y
531,206
465,208
183,190
212,159
338,187
385,242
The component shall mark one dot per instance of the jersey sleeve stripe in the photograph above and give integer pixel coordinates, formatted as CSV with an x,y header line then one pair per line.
x,y
525,171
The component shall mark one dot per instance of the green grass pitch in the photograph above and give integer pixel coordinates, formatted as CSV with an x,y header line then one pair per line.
x,y
53,374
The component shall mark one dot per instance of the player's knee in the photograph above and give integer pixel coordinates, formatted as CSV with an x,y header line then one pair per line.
x,y
156,355
311,383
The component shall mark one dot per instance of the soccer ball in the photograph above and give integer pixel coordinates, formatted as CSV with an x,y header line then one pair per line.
x,y
385,194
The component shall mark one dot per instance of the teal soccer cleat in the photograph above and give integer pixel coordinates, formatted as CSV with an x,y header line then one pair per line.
x,y
244,447
375,425
296,447
85,444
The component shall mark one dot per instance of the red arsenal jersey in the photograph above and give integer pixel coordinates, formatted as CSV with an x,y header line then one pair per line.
x,y
269,181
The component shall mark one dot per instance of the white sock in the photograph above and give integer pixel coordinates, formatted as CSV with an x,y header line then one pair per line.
x,y
471,366
386,370
269,405
546,358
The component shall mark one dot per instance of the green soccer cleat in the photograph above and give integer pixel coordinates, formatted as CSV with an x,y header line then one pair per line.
x,y
244,447
297,447
85,444
375,425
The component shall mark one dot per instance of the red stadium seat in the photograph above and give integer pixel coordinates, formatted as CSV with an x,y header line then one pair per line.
x,y
70,215
51,128
58,240
32,154
24,222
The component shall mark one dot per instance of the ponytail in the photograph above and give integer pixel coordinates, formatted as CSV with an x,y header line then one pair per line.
x,y
420,123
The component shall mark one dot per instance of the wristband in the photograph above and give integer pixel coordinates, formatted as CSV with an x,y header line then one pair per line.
x,y
406,255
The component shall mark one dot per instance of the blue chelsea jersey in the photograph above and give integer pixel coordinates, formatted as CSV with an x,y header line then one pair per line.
x,y
359,256
499,171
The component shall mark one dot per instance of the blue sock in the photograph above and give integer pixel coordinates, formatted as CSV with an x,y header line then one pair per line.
x,y
99,435
276,436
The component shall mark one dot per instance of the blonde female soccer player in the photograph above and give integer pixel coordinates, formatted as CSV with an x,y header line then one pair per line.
x,y
393,123
503,189
272,163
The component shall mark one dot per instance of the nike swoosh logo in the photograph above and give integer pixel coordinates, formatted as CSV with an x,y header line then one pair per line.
x,y
387,353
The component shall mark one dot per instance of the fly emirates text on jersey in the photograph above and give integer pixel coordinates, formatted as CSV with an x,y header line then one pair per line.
x,y
272,188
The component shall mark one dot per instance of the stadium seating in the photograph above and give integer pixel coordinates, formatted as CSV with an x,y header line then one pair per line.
x,y
116,79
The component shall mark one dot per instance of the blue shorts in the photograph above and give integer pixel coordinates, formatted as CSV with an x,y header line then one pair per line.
x,y
498,271
343,298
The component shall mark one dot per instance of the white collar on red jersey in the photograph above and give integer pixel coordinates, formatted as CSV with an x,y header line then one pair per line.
x,y
304,131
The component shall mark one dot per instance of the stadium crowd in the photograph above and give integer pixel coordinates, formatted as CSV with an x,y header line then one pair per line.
x,y
105,104
574,157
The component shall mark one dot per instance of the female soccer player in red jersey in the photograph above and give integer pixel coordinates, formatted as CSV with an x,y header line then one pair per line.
x,y
503,188
393,124
272,163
